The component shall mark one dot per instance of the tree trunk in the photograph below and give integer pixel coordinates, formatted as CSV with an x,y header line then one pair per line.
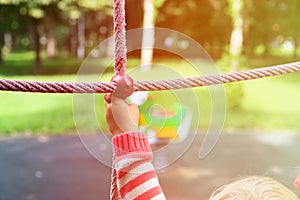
x,y
236,40
50,42
148,35
295,55
51,47
81,37
8,41
36,36
1,46
73,40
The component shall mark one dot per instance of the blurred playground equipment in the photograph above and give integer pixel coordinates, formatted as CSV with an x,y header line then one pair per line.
x,y
161,124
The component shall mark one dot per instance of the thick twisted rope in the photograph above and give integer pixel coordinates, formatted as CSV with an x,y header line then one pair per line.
x,y
100,87
120,36
120,68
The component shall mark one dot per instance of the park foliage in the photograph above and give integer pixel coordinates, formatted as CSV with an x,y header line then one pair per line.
x,y
43,37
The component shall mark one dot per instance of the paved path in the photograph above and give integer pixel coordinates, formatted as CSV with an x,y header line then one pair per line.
x,y
60,168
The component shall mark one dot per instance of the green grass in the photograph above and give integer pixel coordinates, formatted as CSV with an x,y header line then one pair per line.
x,y
269,104
34,113
22,63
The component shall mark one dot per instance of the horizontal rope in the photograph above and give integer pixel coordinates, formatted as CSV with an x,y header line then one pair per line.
x,y
100,87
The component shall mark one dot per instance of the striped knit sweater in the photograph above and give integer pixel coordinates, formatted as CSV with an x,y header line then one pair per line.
x,y
134,177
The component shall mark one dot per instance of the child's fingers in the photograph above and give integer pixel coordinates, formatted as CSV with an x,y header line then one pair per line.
x,y
109,113
107,98
117,101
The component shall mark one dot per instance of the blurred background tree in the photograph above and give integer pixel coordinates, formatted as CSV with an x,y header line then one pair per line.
x,y
51,37
74,27
207,22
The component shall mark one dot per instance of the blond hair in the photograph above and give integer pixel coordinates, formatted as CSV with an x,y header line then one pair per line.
x,y
254,188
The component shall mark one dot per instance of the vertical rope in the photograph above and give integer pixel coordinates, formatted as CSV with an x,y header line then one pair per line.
x,y
120,68
114,193
120,36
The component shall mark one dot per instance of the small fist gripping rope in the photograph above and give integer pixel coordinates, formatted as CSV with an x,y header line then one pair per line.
x,y
124,85
124,88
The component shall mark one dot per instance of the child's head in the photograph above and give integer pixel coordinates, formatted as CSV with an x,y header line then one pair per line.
x,y
297,182
254,188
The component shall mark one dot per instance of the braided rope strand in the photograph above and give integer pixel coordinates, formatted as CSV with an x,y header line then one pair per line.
x,y
120,69
217,79
120,36
56,87
100,87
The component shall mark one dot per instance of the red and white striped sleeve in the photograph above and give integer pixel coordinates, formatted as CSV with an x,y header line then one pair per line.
x,y
136,176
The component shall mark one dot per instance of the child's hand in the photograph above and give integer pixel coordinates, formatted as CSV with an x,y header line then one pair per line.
x,y
120,116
